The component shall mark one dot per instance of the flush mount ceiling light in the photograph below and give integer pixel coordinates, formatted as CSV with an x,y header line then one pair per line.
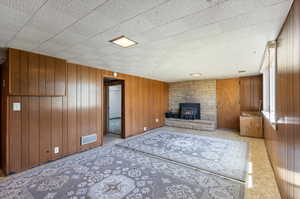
x,y
123,41
195,74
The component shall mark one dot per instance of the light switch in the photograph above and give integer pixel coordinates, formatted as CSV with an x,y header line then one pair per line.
x,y
16,106
156,120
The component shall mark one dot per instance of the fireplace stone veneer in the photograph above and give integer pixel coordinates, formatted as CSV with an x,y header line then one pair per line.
x,y
204,125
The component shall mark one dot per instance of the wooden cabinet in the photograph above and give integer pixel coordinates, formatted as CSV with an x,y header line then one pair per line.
x,y
251,93
251,124
32,74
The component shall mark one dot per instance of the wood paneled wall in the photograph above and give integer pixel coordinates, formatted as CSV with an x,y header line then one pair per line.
x,y
283,145
146,101
4,117
45,122
236,95
251,93
228,97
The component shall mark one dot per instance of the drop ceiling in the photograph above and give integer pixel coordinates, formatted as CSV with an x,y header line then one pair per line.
x,y
216,38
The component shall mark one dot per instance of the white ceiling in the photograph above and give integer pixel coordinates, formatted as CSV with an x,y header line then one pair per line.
x,y
175,37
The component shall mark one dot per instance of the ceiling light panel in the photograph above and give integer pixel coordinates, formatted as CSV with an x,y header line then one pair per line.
x,y
123,42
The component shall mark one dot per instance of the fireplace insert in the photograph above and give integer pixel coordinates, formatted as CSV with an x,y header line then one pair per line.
x,y
189,111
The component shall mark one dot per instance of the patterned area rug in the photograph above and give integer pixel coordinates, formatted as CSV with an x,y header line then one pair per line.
x,y
220,156
115,172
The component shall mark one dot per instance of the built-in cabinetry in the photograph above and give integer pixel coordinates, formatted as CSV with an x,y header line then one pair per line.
x,y
251,124
250,106
32,74
251,93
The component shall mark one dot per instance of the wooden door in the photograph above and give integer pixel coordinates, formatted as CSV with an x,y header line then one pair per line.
x,y
228,103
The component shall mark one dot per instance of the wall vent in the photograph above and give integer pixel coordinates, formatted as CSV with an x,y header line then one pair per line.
x,y
88,139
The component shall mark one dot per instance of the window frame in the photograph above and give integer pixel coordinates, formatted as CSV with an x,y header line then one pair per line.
x,y
269,71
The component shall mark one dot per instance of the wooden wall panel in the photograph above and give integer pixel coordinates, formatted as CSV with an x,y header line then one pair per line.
x,y
60,77
251,93
146,103
143,99
4,145
42,75
283,144
34,131
129,106
32,74
93,101
15,71
152,108
228,103
56,126
50,76
140,103
15,137
53,120
25,133
45,129
99,107
65,146
24,73
72,136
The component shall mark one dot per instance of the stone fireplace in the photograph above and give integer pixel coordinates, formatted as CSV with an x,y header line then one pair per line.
x,y
199,91
190,111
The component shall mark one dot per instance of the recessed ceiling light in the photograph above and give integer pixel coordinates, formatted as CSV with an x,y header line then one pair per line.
x,y
241,71
123,42
195,74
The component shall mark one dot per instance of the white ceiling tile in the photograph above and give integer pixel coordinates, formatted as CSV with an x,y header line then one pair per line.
x,y
111,14
119,11
54,24
28,6
63,14
97,42
176,9
271,2
68,54
34,36
68,38
92,24
12,21
52,47
23,44
74,8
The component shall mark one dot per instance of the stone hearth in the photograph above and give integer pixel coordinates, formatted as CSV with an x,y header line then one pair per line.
x,y
191,124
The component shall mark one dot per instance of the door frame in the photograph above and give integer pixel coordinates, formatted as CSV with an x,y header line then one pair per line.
x,y
105,96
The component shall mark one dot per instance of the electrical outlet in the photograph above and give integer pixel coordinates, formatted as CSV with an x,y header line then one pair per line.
x,y
145,128
156,120
56,149
16,106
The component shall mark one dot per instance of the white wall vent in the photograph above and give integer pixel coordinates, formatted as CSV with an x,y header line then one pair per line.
x,y
88,139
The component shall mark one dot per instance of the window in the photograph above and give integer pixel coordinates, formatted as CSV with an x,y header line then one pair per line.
x,y
269,82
